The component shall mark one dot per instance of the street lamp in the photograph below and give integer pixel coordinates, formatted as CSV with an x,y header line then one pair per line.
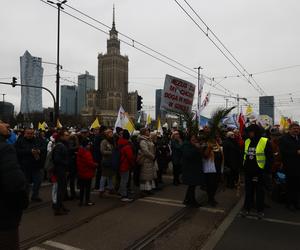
x,y
59,7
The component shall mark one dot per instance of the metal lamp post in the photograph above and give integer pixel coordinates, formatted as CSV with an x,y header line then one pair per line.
x,y
59,7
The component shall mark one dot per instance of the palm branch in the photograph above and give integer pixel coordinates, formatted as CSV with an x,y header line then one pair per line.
x,y
215,122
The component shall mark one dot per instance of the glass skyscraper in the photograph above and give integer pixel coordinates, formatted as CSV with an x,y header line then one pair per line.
x,y
31,74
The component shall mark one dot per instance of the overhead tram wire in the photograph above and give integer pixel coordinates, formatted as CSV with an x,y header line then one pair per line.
x,y
141,50
142,44
257,88
223,45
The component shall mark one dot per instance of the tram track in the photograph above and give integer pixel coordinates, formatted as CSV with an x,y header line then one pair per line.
x,y
38,239
158,231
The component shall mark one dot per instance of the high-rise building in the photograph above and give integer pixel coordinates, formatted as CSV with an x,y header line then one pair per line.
x,y
112,84
6,111
31,74
158,112
86,82
68,100
266,106
113,74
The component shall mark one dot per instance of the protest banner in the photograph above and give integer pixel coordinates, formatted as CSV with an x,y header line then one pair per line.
x,y
178,95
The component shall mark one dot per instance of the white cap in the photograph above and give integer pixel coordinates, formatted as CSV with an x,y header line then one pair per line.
x,y
175,125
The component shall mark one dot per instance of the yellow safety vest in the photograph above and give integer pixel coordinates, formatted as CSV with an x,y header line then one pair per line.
x,y
260,151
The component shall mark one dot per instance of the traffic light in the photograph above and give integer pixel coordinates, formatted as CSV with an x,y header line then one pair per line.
x,y
14,81
139,103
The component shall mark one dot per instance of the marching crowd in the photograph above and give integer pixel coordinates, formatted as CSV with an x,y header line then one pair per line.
x,y
113,162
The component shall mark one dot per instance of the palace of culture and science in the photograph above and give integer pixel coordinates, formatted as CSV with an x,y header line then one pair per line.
x,y
112,92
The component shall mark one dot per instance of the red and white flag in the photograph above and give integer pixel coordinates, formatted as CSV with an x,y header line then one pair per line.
x,y
241,122
205,102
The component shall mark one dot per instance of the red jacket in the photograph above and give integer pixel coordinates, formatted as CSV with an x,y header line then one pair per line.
x,y
85,164
127,156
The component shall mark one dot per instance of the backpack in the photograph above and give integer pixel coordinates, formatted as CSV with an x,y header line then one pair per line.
x,y
49,165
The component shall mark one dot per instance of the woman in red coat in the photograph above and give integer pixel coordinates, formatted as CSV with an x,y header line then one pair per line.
x,y
126,163
86,168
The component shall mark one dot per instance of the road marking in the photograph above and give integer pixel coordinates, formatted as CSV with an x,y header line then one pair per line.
x,y
275,220
212,210
164,199
177,203
161,202
216,235
60,245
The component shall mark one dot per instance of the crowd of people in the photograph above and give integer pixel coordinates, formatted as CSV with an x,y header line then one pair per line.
x,y
114,162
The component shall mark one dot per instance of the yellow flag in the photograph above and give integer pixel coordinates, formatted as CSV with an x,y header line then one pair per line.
x,y
249,110
58,124
129,126
95,124
159,128
149,119
283,123
45,125
40,126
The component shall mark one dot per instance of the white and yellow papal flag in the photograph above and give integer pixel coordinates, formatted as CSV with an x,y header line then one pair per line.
x,y
58,124
149,120
249,110
95,124
123,121
159,127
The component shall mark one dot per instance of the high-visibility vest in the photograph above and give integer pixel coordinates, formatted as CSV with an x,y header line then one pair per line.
x,y
260,151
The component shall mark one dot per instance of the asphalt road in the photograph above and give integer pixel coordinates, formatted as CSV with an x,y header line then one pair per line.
x,y
111,224
279,230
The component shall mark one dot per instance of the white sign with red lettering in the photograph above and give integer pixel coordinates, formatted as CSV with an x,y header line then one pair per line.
x,y
178,95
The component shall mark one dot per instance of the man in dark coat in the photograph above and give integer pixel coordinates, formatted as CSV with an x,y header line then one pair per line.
x,y
289,146
61,165
232,159
258,158
176,143
13,192
191,162
30,152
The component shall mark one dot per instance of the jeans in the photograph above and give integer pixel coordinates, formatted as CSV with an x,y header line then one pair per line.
x,y
98,177
123,184
54,193
103,180
61,191
34,176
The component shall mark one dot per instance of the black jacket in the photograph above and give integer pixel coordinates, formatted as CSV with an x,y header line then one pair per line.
x,y
233,157
24,151
191,162
13,188
60,159
176,152
291,160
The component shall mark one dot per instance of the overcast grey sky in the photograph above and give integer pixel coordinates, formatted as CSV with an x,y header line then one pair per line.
x,y
262,34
